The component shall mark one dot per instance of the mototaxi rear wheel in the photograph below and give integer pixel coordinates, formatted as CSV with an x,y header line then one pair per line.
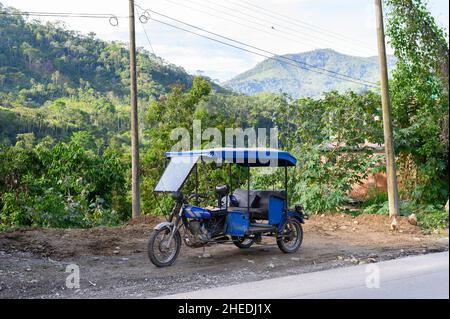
x,y
290,238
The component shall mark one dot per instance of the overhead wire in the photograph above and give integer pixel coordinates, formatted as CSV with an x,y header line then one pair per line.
x,y
299,22
113,19
304,65
283,28
254,25
145,31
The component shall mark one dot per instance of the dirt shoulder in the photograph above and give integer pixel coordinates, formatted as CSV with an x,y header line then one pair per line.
x,y
113,260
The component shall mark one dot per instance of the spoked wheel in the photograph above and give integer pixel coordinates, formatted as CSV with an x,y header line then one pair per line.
x,y
163,250
291,236
243,242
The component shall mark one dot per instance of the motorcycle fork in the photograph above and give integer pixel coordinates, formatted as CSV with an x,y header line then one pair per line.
x,y
175,225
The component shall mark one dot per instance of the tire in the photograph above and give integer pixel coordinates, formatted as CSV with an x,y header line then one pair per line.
x,y
243,242
154,247
285,244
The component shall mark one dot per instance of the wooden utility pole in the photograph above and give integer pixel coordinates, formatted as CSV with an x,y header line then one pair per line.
x,y
136,198
387,122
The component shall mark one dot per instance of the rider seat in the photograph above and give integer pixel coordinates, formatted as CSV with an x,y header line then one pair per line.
x,y
221,191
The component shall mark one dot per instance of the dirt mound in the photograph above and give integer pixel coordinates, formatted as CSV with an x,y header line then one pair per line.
x,y
145,219
365,222
132,237
67,243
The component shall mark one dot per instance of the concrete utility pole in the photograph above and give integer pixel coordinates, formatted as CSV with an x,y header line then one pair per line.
x,y
136,198
387,122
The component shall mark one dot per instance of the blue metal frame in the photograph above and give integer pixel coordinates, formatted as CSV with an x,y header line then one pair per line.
x,y
255,157
276,209
237,223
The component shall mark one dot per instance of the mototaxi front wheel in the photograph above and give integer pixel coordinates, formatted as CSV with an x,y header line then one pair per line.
x,y
163,248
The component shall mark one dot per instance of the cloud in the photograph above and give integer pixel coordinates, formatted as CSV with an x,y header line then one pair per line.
x,y
216,63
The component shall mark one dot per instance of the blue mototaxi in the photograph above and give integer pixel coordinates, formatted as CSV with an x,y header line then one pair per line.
x,y
241,216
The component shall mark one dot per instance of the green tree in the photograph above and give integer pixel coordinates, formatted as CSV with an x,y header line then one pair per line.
x,y
419,90
336,143
175,110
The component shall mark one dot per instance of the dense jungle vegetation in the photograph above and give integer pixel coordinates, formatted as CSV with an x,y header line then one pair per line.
x,y
65,141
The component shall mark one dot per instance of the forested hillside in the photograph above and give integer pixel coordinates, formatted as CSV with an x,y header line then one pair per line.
x,y
40,62
54,81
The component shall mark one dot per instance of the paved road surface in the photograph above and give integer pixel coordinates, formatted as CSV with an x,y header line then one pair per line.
x,y
425,276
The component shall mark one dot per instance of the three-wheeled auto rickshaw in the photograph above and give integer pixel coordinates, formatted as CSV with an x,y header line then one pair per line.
x,y
241,216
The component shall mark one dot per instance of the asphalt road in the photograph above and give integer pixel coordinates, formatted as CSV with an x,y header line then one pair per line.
x,y
425,276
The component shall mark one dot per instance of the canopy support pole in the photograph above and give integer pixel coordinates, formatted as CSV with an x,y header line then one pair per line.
x,y
196,183
286,187
230,182
230,178
248,188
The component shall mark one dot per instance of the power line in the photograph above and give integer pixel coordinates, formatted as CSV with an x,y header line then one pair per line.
x,y
259,54
265,31
270,26
113,19
274,56
145,31
277,26
280,30
316,69
62,14
303,25
299,22
148,39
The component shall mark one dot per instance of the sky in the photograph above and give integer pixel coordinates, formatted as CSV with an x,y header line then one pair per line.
x,y
277,26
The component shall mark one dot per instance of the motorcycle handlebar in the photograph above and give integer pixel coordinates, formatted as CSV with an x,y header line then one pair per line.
x,y
196,195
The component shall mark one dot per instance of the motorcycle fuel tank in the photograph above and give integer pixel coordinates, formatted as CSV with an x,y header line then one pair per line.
x,y
191,211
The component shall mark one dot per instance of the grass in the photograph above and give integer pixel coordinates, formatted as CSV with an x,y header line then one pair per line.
x,y
429,216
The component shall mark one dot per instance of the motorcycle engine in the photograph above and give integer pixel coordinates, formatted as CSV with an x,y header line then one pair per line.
x,y
196,234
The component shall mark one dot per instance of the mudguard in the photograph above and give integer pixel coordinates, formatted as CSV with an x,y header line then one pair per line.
x,y
292,214
164,224
297,216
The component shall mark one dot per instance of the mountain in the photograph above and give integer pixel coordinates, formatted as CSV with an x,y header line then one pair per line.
x,y
275,75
